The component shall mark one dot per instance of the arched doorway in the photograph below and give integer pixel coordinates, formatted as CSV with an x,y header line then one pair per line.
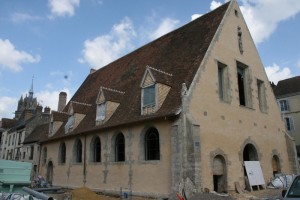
x,y
50,172
275,165
250,153
219,174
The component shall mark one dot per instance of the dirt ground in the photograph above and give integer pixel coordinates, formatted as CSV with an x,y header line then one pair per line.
x,y
86,194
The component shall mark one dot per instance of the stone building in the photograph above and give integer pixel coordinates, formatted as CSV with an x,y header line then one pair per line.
x,y
184,111
287,93
28,116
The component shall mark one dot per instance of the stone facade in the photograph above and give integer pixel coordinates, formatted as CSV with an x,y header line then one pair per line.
x,y
212,111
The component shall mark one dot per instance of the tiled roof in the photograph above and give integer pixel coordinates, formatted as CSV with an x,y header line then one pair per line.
x,y
287,87
38,133
81,108
179,53
60,116
112,95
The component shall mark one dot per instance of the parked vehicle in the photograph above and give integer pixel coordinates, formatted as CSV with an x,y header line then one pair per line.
x,y
293,192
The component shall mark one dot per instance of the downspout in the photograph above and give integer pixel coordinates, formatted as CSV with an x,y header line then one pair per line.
x,y
84,161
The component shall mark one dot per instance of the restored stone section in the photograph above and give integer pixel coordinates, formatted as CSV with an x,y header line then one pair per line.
x,y
176,156
292,154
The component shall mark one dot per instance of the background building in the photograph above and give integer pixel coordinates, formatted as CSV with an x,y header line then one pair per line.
x,y
287,93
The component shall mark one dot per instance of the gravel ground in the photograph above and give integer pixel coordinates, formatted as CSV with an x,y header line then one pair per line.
x,y
265,194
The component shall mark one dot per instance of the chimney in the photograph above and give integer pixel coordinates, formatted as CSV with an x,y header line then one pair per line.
x,y
62,100
47,110
39,109
92,70
27,114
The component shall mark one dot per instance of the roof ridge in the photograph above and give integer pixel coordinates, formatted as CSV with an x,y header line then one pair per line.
x,y
60,112
113,90
159,70
85,104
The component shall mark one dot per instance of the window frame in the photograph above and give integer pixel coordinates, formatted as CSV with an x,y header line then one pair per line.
x,y
96,150
101,109
62,153
152,94
120,148
152,145
289,123
284,105
78,151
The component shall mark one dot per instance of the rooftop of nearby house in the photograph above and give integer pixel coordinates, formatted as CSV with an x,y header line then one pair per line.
x,y
287,87
38,133
173,60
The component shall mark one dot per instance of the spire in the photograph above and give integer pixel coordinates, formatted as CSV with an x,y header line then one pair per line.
x,y
31,89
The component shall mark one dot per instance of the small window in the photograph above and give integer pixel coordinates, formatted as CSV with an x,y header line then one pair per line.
x,y
284,105
78,151
236,13
152,151
62,152
289,123
120,148
70,124
96,150
31,152
149,95
44,155
241,85
51,128
101,109
223,82
262,101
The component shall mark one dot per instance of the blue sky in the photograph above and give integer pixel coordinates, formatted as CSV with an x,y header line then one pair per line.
x,y
57,42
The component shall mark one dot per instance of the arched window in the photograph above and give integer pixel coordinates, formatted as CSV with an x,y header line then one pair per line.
x,y
96,150
152,151
120,148
78,151
44,155
62,152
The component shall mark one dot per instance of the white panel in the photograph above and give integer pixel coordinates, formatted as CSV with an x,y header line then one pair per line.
x,y
254,173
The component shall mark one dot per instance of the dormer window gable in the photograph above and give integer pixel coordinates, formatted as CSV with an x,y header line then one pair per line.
x,y
155,87
56,121
108,100
77,111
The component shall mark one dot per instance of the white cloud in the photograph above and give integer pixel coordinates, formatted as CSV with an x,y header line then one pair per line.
x,y
195,16
164,27
50,98
7,107
214,4
275,73
263,16
11,58
103,49
60,8
23,17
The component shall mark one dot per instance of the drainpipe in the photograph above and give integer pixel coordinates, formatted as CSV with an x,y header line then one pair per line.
x,y
84,161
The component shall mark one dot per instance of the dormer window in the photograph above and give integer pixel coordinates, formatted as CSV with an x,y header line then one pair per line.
x,y
108,101
101,109
154,90
51,128
70,124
